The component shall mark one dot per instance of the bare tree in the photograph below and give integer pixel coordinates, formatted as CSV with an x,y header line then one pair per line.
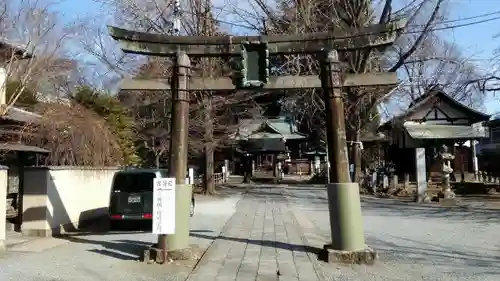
x,y
295,17
31,46
75,136
436,62
213,115
151,113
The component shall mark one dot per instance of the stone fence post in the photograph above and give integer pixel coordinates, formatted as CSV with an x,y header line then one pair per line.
x,y
3,205
407,181
224,174
228,170
394,181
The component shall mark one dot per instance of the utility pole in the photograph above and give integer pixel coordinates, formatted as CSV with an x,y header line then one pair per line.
x,y
208,68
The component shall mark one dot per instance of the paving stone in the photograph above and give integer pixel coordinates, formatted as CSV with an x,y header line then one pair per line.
x,y
261,242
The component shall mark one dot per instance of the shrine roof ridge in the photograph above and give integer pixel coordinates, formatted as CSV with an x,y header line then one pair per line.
x,y
427,97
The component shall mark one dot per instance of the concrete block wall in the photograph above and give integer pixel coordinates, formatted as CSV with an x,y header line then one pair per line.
x,y
59,199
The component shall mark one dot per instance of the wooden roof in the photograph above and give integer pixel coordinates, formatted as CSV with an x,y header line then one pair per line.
x,y
433,94
278,128
20,115
7,47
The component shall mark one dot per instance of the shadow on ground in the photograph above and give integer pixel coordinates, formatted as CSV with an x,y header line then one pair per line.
x,y
467,208
130,250
126,249
429,253
265,243
123,249
388,207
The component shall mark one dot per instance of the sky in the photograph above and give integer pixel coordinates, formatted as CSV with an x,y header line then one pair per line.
x,y
476,41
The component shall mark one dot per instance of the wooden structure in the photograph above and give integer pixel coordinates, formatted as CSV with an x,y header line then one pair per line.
x,y
488,149
268,139
13,153
430,121
492,143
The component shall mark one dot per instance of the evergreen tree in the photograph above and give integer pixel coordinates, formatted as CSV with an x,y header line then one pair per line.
x,y
115,115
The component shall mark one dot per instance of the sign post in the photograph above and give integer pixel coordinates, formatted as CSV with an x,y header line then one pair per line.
x,y
164,206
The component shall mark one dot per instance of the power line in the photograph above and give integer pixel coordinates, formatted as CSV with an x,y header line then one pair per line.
x,y
471,17
406,32
497,12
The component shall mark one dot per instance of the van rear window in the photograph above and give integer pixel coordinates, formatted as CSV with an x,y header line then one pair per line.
x,y
133,182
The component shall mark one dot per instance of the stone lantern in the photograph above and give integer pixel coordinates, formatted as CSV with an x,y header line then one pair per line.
x,y
446,170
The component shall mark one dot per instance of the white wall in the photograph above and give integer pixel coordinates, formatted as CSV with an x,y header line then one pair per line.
x,y
57,199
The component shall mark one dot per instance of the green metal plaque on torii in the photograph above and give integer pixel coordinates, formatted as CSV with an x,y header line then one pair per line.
x,y
254,72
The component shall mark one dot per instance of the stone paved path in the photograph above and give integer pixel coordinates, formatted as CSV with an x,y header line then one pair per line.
x,y
261,242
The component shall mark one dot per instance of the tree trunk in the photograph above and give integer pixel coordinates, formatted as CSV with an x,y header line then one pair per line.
x,y
157,161
208,182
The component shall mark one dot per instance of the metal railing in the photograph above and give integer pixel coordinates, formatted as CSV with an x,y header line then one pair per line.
x,y
218,179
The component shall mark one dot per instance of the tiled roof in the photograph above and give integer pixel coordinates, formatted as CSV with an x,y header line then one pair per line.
x,y
253,128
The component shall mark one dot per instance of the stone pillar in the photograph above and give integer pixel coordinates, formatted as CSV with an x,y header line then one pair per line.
x,y
407,182
280,170
317,164
247,168
385,182
3,205
421,172
311,167
224,174
228,170
36,203
374,181
475,164
253,167
395,182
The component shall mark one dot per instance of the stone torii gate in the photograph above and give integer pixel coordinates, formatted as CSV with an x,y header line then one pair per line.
x,y
348,243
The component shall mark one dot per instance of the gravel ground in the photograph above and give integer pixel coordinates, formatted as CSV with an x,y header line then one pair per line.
x,y
109,256
415,242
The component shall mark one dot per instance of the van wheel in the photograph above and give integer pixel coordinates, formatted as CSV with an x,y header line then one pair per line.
x,y
191,209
